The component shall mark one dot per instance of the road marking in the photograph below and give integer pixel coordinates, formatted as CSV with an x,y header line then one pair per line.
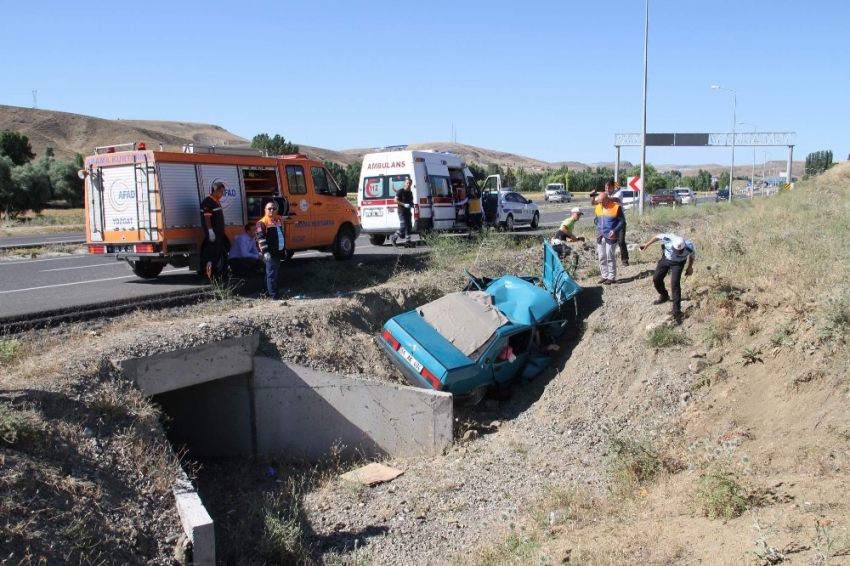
x,y
75,283
82,267
25,260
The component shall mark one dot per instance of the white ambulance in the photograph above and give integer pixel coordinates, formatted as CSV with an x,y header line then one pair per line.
x,y
439,181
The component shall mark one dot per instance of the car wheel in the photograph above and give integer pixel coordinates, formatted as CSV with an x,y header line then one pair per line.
x,y
535,222
344,247
509,223
288,254
146,269
377,239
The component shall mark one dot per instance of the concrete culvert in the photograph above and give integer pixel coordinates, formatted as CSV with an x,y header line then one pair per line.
x,y
222,400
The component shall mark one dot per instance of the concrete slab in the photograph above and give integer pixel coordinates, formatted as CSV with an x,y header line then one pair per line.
x,y
197,523
307,412
183,368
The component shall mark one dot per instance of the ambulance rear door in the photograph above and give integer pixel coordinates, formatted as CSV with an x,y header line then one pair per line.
x,y
443,205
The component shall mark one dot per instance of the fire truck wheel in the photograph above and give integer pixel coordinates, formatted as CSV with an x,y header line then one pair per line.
x,y
146,269
344,247
377,239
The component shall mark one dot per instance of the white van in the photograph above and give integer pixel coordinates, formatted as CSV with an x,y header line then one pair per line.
x,y
439,181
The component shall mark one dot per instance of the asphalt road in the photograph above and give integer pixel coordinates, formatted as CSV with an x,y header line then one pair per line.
x,y
35,285
43,239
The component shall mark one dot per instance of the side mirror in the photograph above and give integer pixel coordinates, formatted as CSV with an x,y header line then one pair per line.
x,y
528,201
341,192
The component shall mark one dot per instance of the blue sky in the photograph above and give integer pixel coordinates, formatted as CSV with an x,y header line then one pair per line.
x,y
545,79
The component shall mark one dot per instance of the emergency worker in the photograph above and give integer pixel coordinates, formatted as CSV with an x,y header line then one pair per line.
x,y
272,246
676,252
404,202
609,221
473,208
215,242
616,195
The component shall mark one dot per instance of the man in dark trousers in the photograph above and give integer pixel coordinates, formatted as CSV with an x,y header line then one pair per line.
x,y
272,246
404,201
615,194
677,251
212,220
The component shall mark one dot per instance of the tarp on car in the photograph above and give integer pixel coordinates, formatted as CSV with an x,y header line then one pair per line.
x,y
469,320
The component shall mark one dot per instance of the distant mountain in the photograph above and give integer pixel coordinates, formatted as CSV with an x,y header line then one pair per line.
x,y
69,134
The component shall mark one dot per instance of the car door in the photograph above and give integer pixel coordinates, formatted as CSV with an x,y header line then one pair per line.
x,y
515,204
326,206
299,226
516,344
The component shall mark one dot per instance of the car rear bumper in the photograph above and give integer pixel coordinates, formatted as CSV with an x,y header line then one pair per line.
x,y
411,376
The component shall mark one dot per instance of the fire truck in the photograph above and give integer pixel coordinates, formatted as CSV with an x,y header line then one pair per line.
x,y
143,206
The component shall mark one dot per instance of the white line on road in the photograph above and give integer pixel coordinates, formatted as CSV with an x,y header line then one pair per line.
x,y
23,260
75,283
116,264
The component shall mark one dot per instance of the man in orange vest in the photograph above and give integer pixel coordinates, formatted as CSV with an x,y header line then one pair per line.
x,y
272,246
609,222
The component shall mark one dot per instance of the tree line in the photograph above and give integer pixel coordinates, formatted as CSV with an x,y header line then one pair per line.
x,y
818,162
29,185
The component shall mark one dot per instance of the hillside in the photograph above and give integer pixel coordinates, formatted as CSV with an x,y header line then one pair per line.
x,y
69,134
723,440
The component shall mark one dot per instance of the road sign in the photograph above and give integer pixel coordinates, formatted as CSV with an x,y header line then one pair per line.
x,y
635,183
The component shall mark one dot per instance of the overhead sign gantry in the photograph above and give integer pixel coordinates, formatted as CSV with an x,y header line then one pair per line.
x,y
746,139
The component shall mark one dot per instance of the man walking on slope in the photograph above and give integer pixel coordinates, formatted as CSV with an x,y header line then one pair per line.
x,y
677,251
609,222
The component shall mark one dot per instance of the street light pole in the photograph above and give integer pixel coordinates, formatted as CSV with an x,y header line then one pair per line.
x,y
753,186
642,192
734,119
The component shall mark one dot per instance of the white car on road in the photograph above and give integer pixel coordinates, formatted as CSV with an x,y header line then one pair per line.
x,y
560,196
686,194
508,209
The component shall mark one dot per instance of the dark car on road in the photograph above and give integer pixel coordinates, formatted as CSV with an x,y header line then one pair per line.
x,y
722,194
665,197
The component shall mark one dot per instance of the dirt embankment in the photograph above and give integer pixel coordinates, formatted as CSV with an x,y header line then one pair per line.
x,y
739,413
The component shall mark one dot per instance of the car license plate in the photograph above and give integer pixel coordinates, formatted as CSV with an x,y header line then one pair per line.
x,y
374,212
410,359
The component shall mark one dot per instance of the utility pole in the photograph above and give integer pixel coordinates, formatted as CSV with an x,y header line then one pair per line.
x,y
35,99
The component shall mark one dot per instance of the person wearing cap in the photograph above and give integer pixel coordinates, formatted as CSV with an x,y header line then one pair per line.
x,y
565,232
676,252
212,219
609,222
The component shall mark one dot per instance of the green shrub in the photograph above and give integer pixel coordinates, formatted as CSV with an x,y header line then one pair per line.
x,y
17,427
8,350
283,538
666,336
721,495
632,462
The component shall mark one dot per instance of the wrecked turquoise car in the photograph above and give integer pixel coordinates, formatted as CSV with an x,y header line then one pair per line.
x,y
465,342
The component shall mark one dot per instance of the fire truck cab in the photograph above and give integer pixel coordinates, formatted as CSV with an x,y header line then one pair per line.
x,y
143,206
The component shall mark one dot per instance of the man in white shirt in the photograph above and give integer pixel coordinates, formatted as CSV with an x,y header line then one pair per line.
x,y
244,256
677,252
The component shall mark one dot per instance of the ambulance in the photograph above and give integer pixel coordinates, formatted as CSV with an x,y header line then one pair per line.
x,y
143,206
440,179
